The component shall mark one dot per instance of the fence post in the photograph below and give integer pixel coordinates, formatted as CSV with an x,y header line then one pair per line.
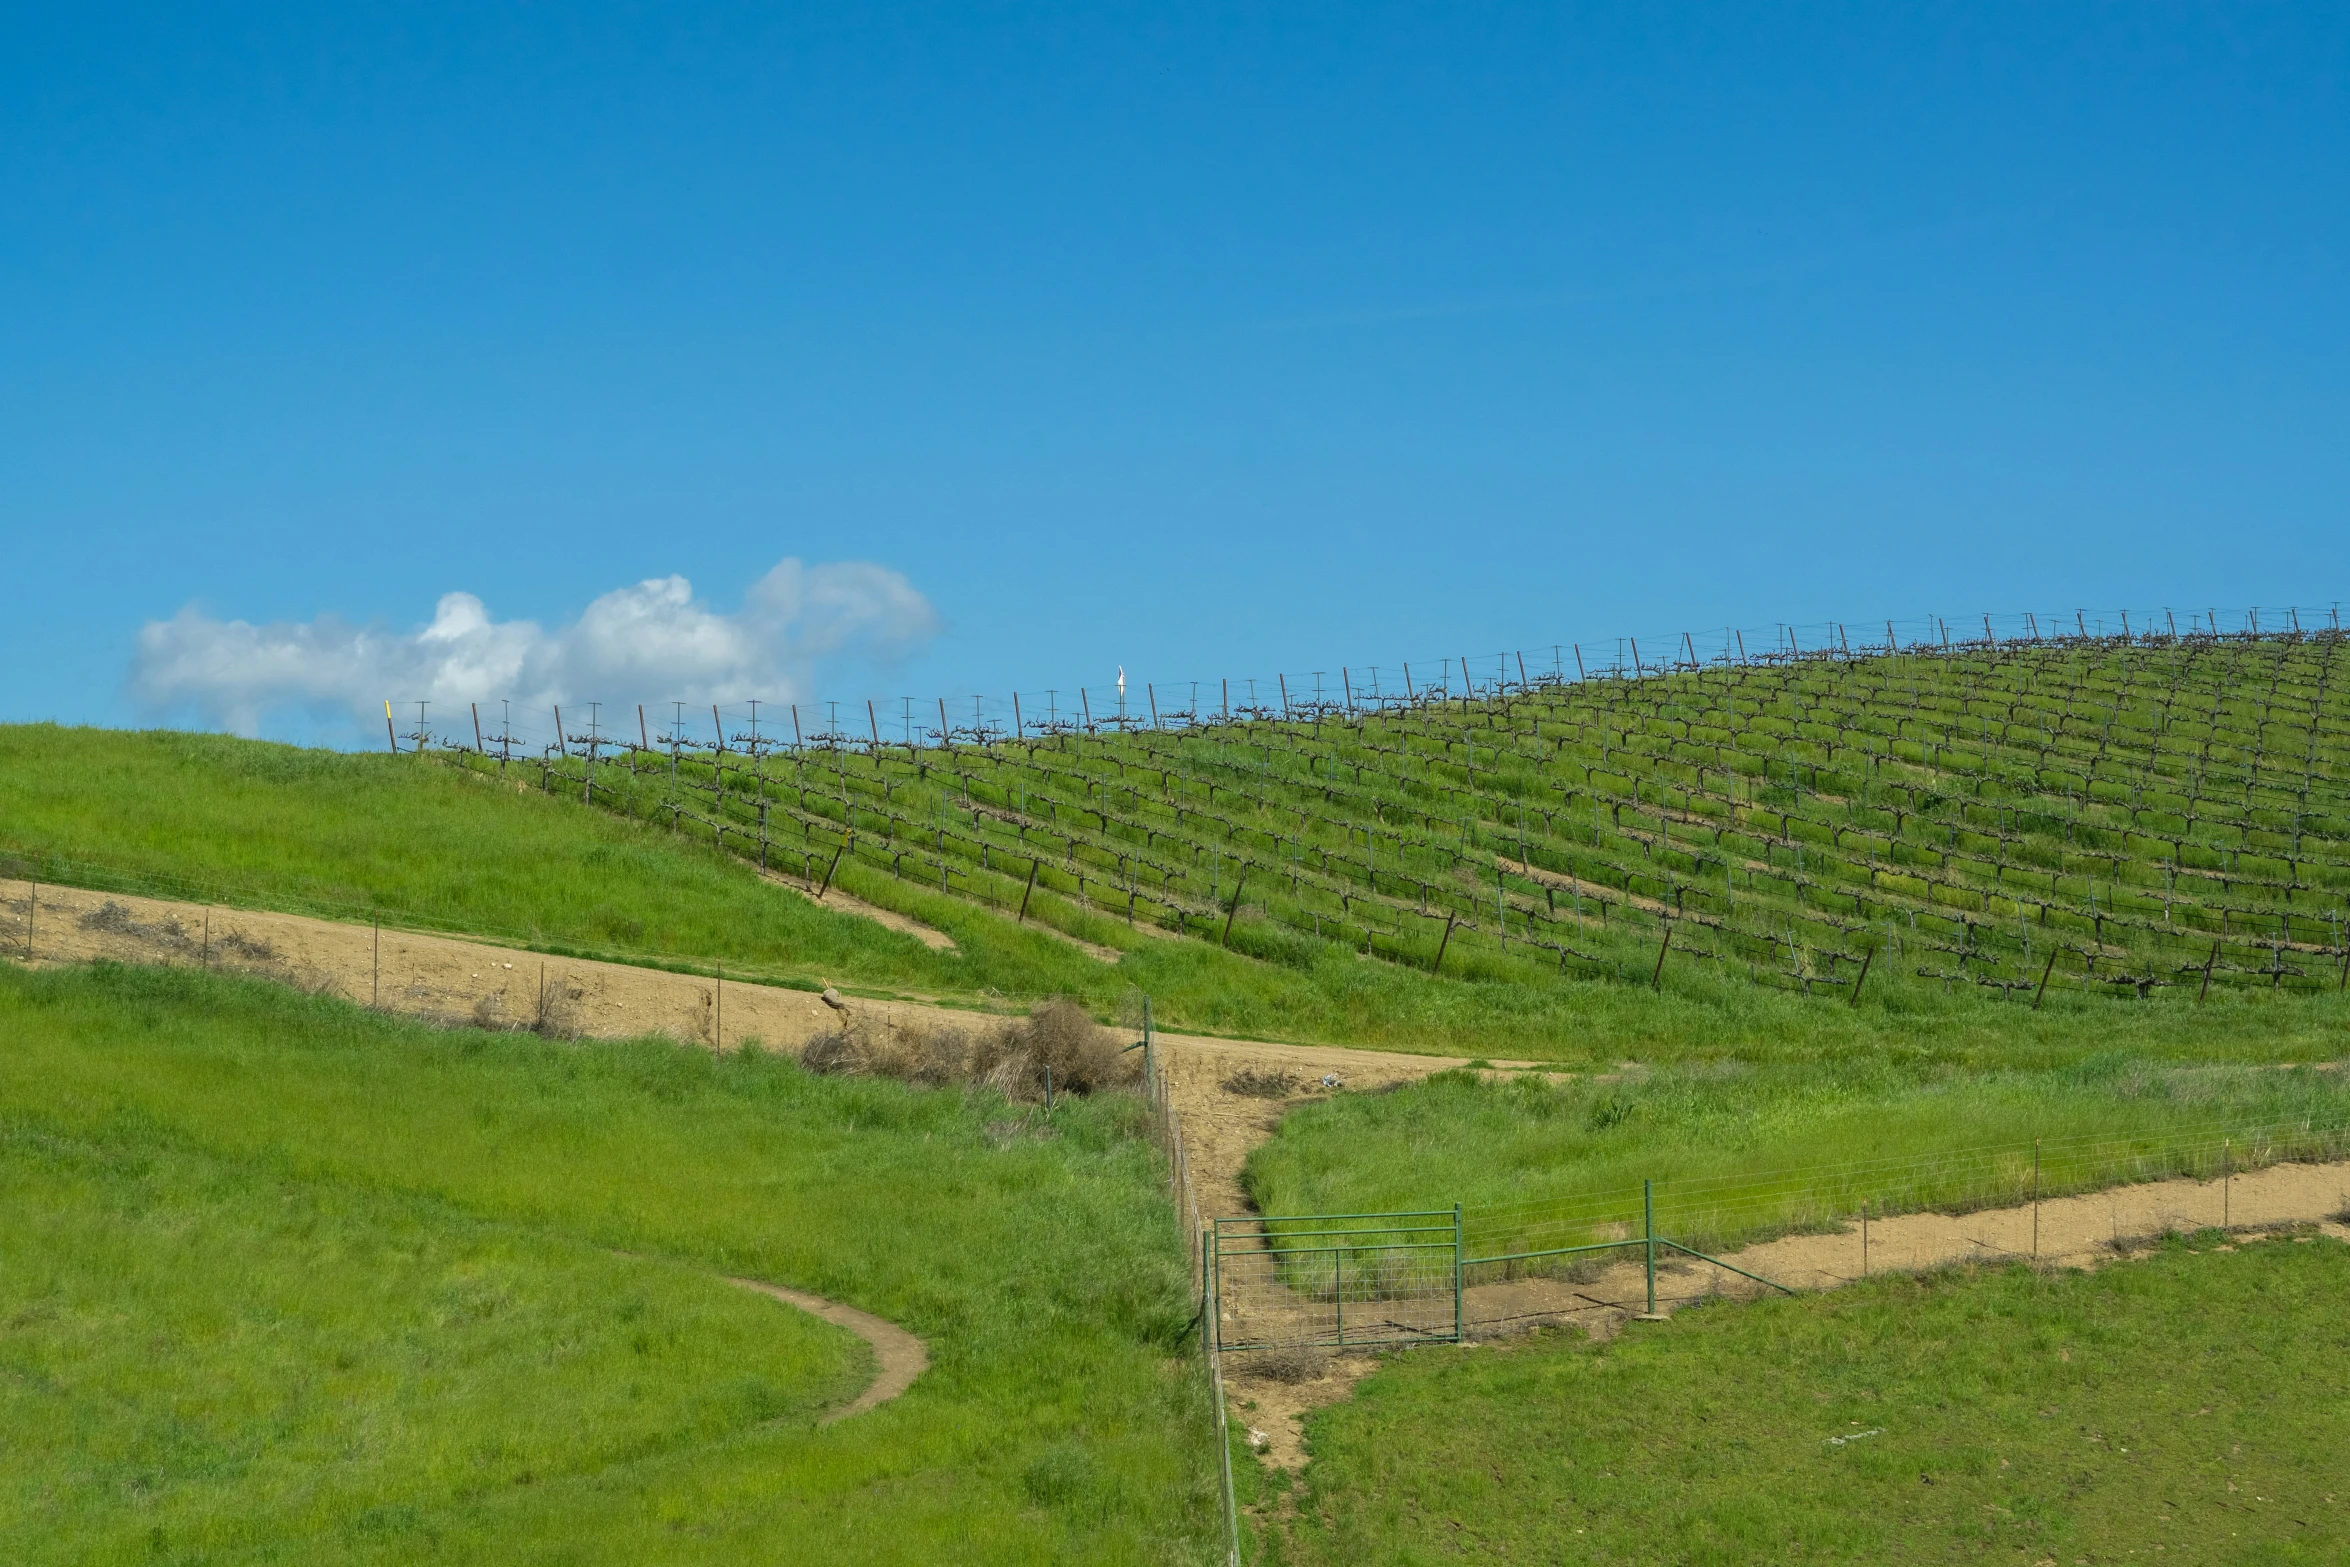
x,y
1338,1290
1216,1257
1206,1304
1648,1230
1460,1326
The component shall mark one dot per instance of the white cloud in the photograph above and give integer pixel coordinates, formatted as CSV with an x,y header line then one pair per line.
x,y
653,641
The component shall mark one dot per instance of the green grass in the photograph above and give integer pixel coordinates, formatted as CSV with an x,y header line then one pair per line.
x,y
1739,1150
2189,1406
286,1281
355,836
421,843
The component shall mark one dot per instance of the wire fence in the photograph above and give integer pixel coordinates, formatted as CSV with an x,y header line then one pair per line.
x,y
607,727
1348,1281
1167,1134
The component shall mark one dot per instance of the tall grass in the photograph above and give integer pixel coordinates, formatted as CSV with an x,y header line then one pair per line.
x,y
1739,1151
2181,1407
289,1281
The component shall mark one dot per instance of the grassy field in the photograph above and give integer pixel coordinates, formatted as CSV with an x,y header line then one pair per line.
x,y
286,1281
2189,1406
1761,1149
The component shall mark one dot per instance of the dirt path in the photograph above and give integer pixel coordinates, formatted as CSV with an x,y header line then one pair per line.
x,y
840,902
2062,1232
443,979
1273,1394
1222,1125
899,1357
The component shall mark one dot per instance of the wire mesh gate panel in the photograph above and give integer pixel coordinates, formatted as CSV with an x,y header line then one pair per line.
x,y
1333,1280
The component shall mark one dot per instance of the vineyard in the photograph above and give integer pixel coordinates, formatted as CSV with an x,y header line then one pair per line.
x,y
2135,814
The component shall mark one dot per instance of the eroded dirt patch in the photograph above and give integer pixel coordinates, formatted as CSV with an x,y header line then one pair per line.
x,y
840,902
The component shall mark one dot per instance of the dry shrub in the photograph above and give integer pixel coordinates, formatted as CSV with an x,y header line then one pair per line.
x,y
1011,1056
1084,1056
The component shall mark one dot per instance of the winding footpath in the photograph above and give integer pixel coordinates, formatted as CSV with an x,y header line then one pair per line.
x,y
899,1357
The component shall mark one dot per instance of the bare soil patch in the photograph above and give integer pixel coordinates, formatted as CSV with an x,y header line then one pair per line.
x,y
440,978
2087,1231
1223,1123
840,902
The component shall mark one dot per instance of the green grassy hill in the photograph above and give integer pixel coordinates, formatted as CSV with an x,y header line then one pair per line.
x,y
2146,812
2146,827
2155,831
284,1281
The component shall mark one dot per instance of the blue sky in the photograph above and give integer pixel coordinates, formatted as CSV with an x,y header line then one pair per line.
x,y
1199,341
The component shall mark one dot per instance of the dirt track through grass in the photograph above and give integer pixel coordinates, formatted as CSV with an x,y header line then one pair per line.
x,y
898,1356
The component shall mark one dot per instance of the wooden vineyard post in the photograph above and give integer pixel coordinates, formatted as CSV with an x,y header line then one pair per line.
x,y
1033,867
478,748
1656,981
2044,973
389,734
834,866
1437,967
1233,913
1866,958
2207,963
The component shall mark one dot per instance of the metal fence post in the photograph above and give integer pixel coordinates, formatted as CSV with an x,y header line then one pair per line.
x,y
1459,1322
1216,1298
1648,1230
1206,1303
